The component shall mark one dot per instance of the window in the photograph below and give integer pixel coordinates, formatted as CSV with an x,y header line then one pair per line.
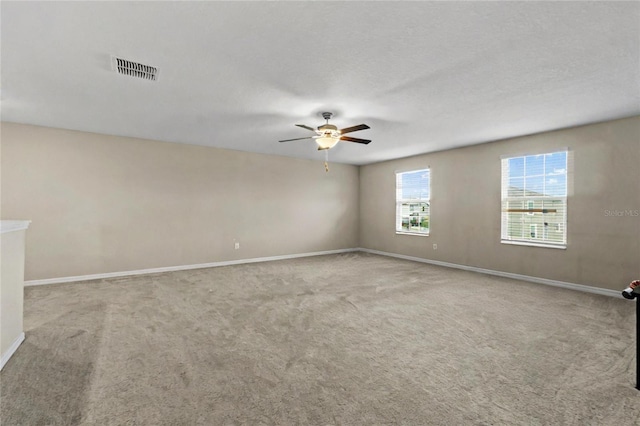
x,y
413,206
534,199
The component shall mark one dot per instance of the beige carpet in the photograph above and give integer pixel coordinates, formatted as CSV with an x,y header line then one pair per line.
x,y
351,339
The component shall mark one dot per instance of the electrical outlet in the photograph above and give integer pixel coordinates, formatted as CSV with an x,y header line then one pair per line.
x,y
237,246
435,247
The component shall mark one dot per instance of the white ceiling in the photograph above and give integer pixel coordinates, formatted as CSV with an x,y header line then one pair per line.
x,y
425,76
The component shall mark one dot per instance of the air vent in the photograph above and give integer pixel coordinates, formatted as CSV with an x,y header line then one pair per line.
x,y
134,69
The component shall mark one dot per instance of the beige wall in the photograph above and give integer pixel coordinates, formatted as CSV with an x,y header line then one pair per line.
x,y
602,251
103,204
109,204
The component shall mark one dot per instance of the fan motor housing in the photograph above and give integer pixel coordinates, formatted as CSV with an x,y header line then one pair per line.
x,y
329,127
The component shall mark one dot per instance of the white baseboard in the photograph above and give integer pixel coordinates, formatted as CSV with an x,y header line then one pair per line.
x,y
545,281
554,283
11,350
180,268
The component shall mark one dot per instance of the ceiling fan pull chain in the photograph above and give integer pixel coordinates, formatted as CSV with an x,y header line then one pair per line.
x,y
326,160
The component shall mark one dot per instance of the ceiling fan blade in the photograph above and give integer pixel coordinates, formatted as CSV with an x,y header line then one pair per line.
x,y
354,128
296,139
306,127
358,140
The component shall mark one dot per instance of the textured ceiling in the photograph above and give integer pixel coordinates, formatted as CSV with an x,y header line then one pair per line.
x,y
239,75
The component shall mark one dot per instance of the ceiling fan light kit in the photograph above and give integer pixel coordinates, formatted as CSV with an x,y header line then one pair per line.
x,y
328,135
326,142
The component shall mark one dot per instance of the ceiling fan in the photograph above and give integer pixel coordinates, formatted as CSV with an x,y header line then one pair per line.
x,y
328,135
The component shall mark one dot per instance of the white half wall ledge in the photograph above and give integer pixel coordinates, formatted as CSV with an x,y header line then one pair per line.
x,y
12,349
182,267
13,225
545,281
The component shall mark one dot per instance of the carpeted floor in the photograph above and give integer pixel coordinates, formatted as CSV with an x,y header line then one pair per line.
x,y
351,339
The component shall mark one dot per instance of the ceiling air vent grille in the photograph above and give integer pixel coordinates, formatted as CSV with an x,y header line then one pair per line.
x,y
134,69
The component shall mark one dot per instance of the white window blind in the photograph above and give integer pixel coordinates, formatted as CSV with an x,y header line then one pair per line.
x,y
534,199
413,205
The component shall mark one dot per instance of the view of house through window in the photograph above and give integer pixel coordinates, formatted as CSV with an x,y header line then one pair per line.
x,y
534,199
413,202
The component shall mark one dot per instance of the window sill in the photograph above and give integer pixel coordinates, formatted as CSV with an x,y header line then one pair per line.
x,y
532,244
417,234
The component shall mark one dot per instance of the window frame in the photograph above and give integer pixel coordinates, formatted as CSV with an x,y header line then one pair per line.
x,y
400,201
541,238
